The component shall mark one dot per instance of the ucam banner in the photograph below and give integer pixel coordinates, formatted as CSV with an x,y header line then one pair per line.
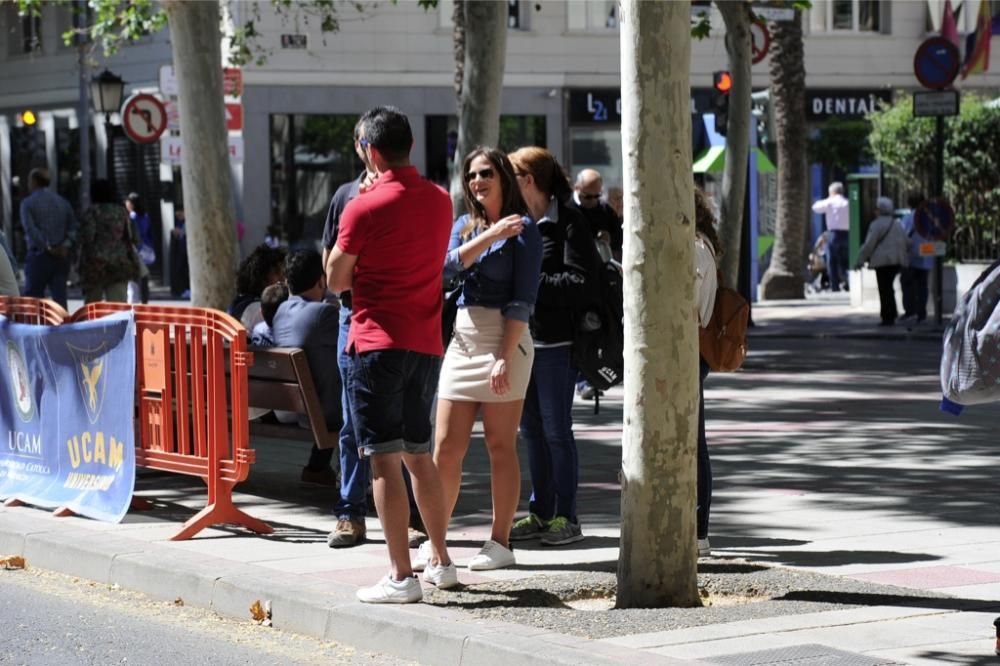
x,y
67,398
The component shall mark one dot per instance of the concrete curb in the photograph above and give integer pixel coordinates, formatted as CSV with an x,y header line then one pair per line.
x,y
428,634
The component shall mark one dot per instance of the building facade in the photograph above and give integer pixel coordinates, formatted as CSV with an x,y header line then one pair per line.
x,y
561,88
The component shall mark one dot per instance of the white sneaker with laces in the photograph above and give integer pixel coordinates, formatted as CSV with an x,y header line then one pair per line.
x,y
442,576
704,548
389,591
492,556
423,557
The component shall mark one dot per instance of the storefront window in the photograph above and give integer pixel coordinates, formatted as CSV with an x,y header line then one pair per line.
x,y
598,148
593,15
311,156
442,137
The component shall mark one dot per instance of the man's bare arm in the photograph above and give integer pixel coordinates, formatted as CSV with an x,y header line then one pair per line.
x,y
340,270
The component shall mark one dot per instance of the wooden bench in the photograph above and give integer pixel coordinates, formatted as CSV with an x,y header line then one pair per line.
x,y
279,379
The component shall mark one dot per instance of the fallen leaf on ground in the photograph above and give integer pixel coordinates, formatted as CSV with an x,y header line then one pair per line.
x,y
12,562
257,612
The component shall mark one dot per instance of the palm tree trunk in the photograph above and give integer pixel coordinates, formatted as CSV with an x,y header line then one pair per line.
x,y
785,277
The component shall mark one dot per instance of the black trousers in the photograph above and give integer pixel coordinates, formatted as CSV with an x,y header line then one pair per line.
x,y
886,295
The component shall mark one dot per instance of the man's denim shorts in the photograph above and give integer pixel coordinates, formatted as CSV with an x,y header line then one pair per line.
x,y
390,393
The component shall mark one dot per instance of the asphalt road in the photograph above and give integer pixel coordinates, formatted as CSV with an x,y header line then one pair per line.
x,y
51,619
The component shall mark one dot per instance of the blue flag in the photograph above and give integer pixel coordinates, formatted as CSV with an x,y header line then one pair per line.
x,y
67,400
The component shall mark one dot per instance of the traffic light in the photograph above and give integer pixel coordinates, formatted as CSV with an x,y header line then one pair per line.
x,y
722,83
27,117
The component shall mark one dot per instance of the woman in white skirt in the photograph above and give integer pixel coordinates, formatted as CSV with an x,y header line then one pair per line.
x,y
497,251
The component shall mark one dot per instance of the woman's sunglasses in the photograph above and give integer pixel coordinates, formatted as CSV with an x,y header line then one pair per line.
x,y
485,174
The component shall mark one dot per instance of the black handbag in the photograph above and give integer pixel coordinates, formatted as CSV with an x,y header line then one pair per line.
x,y
449,309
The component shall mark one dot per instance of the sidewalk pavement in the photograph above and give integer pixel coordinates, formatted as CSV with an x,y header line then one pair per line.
x,y
831,462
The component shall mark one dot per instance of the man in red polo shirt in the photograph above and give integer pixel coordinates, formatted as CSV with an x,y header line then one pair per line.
x,y
390,254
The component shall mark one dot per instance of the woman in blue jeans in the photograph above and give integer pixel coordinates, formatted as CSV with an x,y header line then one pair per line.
x,y
569,262
707,249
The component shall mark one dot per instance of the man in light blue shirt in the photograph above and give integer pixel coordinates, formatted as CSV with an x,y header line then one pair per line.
x,y
914,277
50,229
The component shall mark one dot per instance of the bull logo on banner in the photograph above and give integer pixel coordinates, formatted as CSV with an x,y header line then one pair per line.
x,y
90,377
20,382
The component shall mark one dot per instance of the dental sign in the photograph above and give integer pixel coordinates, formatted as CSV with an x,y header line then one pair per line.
x,y
844,103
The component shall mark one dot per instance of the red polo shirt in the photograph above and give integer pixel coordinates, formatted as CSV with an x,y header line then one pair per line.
x,y
399,230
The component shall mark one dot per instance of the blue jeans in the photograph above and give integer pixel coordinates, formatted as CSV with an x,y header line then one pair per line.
x,y
547,429
704,464
837,262
391,393
354,470
43,270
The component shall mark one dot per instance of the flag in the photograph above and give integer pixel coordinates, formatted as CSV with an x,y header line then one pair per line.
x,y
977,55
948,28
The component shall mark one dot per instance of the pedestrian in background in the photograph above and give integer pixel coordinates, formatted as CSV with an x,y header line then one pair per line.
x,y
836,210
389,255
913,280
886,249
707,250
142,236
50,230
497,250
108,259
570,268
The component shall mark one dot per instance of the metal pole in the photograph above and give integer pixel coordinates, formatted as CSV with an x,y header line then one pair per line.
x,y
83,112
938,193
109,153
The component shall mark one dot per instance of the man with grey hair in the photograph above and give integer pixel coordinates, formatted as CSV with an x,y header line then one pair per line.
x,y
886,249
838,220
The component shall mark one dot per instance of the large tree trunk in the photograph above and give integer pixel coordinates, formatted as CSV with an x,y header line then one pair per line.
x,y
785,277
734,179
485,33
658,561
208,200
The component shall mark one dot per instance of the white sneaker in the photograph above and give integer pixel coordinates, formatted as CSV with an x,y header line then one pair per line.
x,y
423,557
388,591
492,556
441,575
704,548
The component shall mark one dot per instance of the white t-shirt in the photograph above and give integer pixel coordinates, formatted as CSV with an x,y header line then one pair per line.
x,y
837,211
706,280
8,281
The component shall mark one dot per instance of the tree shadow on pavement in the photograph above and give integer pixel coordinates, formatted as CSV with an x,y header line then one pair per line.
x,y
932,602
958,659
830,558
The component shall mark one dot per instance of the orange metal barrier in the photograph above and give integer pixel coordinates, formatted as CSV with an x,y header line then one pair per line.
x,y
185,424
27,310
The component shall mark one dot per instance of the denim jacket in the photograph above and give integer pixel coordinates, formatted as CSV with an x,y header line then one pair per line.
x,y
505,276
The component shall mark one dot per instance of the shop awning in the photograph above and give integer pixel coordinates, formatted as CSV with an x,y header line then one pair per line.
x,y
714,159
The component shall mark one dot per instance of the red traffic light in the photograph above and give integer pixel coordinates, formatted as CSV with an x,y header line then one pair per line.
x,y
722,82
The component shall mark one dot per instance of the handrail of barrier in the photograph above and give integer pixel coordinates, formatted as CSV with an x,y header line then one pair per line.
x,y
185,425
28,310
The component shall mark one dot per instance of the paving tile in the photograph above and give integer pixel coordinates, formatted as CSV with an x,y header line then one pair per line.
x,y
932,577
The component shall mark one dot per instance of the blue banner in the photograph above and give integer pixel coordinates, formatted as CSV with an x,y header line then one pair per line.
x,y
67,400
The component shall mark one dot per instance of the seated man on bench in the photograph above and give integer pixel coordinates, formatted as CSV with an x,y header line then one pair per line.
x,y
307,322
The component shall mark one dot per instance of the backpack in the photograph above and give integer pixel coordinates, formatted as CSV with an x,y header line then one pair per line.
x,y
723,342
970,370
599,338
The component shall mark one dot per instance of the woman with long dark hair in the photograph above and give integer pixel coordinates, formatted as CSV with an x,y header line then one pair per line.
x,y
497,250
570,262
707,250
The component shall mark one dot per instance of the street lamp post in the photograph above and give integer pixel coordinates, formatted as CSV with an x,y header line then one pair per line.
x,y
106,93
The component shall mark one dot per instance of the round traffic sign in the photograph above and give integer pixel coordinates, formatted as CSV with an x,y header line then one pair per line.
x,y
936,63
934,219
144,118
760,40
